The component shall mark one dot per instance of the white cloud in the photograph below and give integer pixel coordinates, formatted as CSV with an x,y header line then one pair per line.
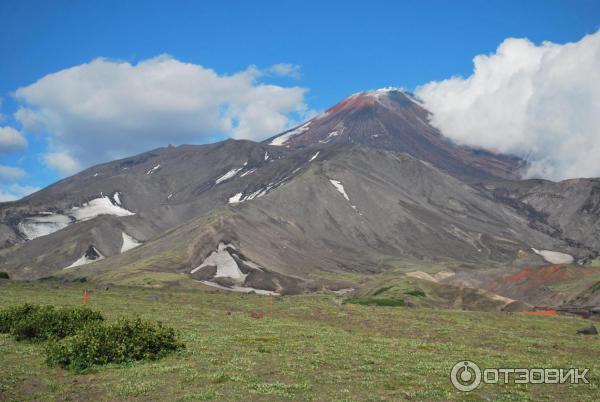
x,y
539,102
106,109
9,173
62,161
285,70
15,192
11,140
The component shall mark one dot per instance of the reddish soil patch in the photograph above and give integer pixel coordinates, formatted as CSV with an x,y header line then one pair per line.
x,y
353,103
543,275
543,312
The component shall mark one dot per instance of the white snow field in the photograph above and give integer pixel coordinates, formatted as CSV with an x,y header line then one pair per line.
x,y
283,138
117,198
229,174
241,289
38,226
248,172
96,207
226,265
154,169
235,198
227,268
84,260
339,187
554,257
129,243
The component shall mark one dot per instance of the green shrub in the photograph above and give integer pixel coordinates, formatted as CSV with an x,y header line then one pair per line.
x,y
39,323
383,289
4,275
416,293
9,316
373,301
119,342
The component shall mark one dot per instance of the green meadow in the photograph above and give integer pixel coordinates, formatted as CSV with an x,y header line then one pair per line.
x,y
298,348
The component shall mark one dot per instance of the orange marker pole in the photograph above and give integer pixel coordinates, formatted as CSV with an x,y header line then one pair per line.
x,y
85,296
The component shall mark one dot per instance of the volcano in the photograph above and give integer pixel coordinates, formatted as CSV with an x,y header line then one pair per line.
x,y
365,189
395,120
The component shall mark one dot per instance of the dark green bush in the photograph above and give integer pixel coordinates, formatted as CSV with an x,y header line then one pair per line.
x,y
4,275
374,301
119,342
416,293
39,323
9,316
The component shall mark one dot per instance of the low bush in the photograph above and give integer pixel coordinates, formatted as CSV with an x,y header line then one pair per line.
x,y
4,275
9,316
373,301
416,293
123,341
39,323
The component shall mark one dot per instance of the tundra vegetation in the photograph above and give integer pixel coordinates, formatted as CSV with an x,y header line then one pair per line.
x,y
304,347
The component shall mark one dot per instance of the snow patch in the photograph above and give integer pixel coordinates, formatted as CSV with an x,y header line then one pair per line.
x,y
91,255
96,207
235,198
247,172
117,198
266,155
154,169
229,174
554,257
226,265
330,136
38,226
314,156
339,187
283,138
257,194
129,243
240,289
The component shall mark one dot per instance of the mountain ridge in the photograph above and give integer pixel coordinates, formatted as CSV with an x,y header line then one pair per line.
x,y
288,214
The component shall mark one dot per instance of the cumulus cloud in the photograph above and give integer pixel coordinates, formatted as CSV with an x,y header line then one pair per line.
x,y
15,191
106,109
540,102
9,173
62,161
11,140
285,70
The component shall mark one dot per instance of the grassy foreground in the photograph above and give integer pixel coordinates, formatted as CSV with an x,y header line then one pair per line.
x,y
306,348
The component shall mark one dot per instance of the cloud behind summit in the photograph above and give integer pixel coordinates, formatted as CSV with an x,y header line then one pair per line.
x,y
540,102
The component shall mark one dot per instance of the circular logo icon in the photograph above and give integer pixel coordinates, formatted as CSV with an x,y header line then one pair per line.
x,y
465,376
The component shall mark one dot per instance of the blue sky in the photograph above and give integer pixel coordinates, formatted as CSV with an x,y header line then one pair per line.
x,y
340,47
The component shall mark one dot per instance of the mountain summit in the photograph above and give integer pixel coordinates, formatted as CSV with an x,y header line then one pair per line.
x,y
395,120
